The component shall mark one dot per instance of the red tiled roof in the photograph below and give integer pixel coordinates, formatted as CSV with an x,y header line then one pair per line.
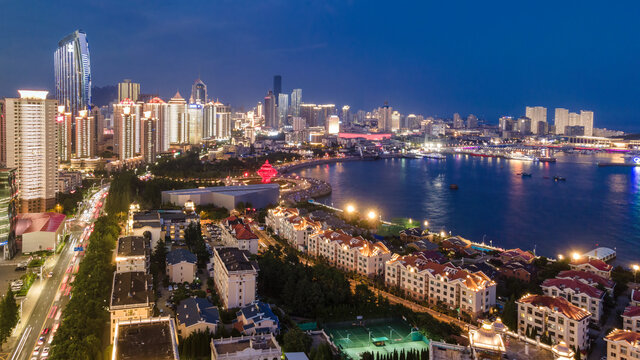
x,y
631,311
635,295
556,304
586,276
517,252
631,337
598,264
243,233
365,247
575,285
34,222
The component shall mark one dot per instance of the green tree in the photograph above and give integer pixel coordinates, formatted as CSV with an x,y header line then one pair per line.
x,y
510,314
322,352
295,340
8,316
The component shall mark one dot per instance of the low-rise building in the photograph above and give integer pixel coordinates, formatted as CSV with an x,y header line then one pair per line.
x,y
275,217
349,253
593,266
196,314
297,229
623,345
554,316
255,319
589,279
631,318
517,255
578,293
446,284
635,297
236,233
257,347
153,228
182,265
234,276
133,254
518,270
459,245
152,338
39,231
131,297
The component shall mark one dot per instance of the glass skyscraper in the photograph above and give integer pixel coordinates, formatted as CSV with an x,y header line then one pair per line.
x,y
72,68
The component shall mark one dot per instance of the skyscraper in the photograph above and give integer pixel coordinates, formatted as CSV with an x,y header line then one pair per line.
x,y
198,92
217,121
457,121
346,116
277,87
85,139
177,112
270,117
159,110
3,135
333,124
149,137
283,109
296,100
64,136
561,120
586,120
31,148
472,121
8,212
537,114
384,117
195,118
72,67
128,90
126,117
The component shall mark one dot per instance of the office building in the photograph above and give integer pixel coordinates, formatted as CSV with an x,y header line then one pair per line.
x,y
126,116
296,100
395,120
31,148
524,125
8,212
537,114
195,117
85,139
160,111
72,68
99,125
333,125
234,276
283,108
177,113
64,133
270,116
277,88
217,121
199,92
150,138
128,90
384,117
623,345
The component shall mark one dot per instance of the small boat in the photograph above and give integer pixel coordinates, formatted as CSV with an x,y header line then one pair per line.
x,y
526,175
559,178
453,186
547,159
436,156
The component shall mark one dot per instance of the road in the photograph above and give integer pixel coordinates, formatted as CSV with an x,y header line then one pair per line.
x,y
54,295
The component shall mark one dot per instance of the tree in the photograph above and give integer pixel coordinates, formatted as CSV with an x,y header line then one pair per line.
x,y
295,340
322,352
510,314
8,316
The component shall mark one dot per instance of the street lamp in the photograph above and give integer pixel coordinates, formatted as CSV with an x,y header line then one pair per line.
x,y
350,209
371,215
635,271
560,257
426,223
575,256
443,234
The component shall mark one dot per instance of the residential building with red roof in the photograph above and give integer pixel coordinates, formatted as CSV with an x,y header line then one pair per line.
x,y
276,217
635,297
39,231
517,255
631,318
578,293
554,316
588,278
518,270
426,280
623,345
237,234
593,266
349,253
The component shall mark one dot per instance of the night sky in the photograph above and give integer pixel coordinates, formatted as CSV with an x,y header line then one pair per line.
x,y
490,58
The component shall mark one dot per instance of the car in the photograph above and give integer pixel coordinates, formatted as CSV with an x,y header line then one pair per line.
x,y
45,331
170,288
36,351
45,351
41,340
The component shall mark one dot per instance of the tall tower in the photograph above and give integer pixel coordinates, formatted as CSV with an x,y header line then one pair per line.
x,y
217,121
296,100
270,118
346,116
198,92
283,109
159,110
277,87
149,137
586,120
384,117
194,122
31,148
561,120
64,123
126,117
85,139
537,114
177,113
72,67
128,90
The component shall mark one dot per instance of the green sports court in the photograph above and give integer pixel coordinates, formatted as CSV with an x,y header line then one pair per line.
x,y
377,336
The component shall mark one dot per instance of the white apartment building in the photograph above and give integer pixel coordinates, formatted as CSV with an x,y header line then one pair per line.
x,y
31,140
556,316
256,347
425,280
238,234
631,318
537,114
126,129
85,135
578,293
234,277
133,254
623,345
349,253
131,298
593,266
290,226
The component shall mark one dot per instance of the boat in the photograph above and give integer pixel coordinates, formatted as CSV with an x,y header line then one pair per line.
x,y
453,186
436,156
526,175
559,178
521,157
547,159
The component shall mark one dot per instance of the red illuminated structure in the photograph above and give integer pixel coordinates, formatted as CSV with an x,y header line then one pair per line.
x,y
267,172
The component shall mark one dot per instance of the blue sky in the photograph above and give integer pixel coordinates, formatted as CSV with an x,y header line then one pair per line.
x,y
488,58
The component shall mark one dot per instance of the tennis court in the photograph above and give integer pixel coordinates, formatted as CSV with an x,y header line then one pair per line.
x,y
378,336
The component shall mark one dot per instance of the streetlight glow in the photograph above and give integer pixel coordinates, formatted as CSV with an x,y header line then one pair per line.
x,y
351,208
635,267
371,215
575,256
442,233
426,223
560,256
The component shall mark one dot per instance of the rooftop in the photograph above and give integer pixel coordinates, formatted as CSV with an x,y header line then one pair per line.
x,y
600,253
131,288
238,344
631,311
365,247
235,259
133,246
190,311
149,339
179,255
517,252
590,278
575,285
35,222
631,337
598,264
556,304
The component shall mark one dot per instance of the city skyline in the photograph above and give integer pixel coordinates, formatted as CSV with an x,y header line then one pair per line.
x,y
426,71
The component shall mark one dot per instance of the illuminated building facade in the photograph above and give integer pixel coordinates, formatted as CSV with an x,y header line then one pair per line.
x,y
150,138
177,113
217,121
32,150
126,116
333,124
296,100
8,212
128,90
85,137
270,116
160,110
72,67
195,116
64,129
199,92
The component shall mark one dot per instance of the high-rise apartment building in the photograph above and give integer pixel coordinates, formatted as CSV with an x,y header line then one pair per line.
x,y
333,124
128,90
384,117
564,118
177,113
217,121
472,121
31,148
195,117
99,124
160,110
64,123
149,138
277,87
346,116
395,120
296,100
270,117
72,68
458,123
537,114
8,212
561,120
85,139
283,108
586,120
126,117
198,92
3,135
